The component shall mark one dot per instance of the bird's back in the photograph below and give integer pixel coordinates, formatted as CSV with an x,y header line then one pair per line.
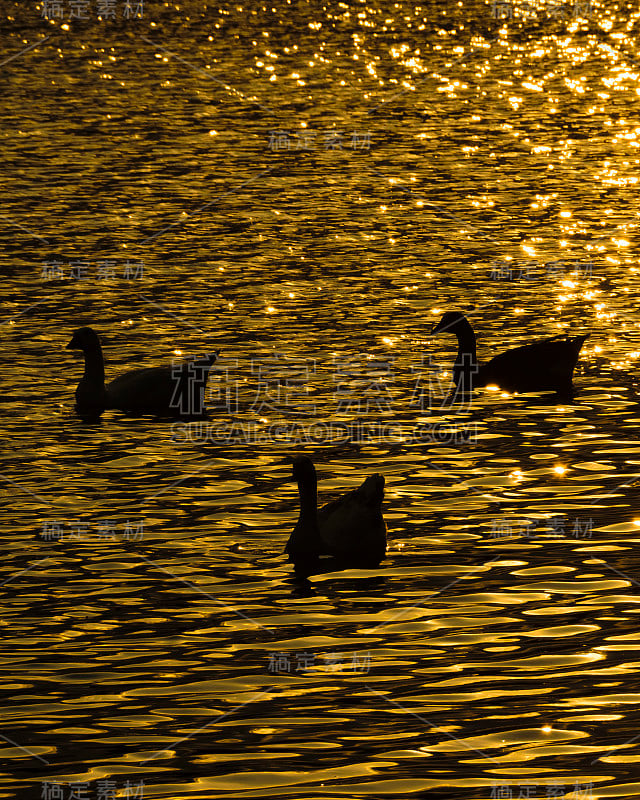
x,y
148,387
162,388
547,364
352,527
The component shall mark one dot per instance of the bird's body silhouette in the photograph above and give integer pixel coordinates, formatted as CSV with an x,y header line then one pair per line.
x,y
172,390
544,365
349,530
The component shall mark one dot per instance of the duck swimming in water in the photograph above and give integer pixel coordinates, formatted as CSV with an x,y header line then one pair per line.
x,y
175,391
350,529
546,365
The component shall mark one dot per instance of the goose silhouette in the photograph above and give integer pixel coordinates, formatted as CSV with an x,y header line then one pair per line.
x,y
544,365
350,530
175,391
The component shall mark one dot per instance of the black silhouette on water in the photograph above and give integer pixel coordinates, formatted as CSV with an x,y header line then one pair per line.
x,y
348,532
546,365
173,391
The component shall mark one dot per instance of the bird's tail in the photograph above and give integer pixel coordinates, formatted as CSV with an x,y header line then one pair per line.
x,y
372,490
204,362
190,385
578,341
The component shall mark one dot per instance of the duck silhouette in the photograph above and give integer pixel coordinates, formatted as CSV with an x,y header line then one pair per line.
x,y
174,391
347,532
544,365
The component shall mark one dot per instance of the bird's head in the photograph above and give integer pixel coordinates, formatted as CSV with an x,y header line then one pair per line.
x,y
303,469
451,322
84,339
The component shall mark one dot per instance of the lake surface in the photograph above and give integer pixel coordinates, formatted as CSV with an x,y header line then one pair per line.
x,y
307,187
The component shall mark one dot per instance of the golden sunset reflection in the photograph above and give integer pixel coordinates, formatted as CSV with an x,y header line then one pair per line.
x,y
294,194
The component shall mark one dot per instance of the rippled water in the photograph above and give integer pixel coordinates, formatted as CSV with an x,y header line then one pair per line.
x,y
307,187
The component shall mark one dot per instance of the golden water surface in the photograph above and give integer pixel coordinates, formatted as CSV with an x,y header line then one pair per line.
x,y
307,187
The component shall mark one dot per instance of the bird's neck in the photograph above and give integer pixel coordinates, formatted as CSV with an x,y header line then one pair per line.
x,y
466,365
306,542
308,503
93,365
